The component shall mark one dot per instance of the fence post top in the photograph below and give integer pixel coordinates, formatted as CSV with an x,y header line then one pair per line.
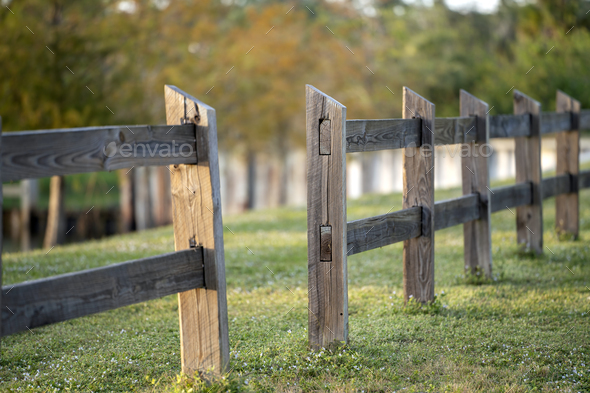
x,y
409,91
312,89
518,95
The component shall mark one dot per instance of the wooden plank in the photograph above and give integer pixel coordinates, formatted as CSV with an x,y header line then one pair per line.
x,y
477,234
453,130
584,179
584,123
196,204
555,122
326,206
557,185
456,211
509,126
60,298
33,154
567,206
508,197
527,152
374,135
419,191
369,233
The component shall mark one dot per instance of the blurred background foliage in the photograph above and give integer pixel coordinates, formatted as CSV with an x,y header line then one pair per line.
x,y
86,62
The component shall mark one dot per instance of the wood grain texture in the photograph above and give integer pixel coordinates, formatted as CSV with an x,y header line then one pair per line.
x,y
456,211
374,135
475,173
55,230
60,298
509,126
453,130
326,206
379,231
557,185
527,152
552,122
510,196
33,154
418,187
567,206
584,179
584,123
196,204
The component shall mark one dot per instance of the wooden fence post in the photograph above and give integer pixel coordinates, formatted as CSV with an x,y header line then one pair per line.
x,y
196,204
475,172
527,151
568,162
419,191
326,219
55,232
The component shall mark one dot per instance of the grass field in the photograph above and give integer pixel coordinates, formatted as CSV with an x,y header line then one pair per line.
x,y
528,329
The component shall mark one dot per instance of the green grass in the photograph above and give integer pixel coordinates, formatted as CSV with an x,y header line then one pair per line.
x,y
525,330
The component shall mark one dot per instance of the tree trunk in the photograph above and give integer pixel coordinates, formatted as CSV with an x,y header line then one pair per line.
x,y
127,218
251,180
55,231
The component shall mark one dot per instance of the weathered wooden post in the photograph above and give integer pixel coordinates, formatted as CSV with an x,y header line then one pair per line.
x,y
476,179
527,151
326,219
567,218
196,203
419,191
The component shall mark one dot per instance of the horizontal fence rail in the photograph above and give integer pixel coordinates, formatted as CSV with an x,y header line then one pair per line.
x,y
44,153
379,231
60,298
389,134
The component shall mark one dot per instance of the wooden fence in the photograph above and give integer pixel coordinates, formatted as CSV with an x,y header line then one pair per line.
x,y
331,238
196,271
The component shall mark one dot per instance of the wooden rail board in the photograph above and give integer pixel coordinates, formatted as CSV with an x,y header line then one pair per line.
x,y
44,153
453,130
197,221
584,119
374,135
527,152
418,183
567,149
326,207
509,126
552,122
374,232
510,196
557,185
456,211
60,298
